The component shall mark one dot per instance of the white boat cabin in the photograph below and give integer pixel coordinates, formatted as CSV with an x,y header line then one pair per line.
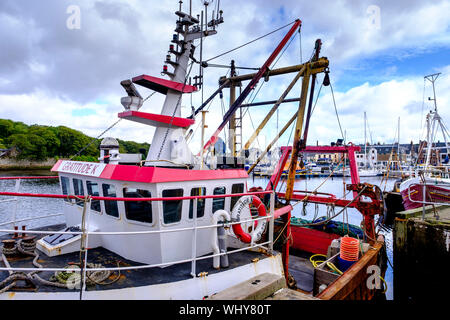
x,y
129,216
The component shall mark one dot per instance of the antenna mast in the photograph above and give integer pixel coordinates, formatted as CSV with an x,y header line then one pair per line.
x,y
432,78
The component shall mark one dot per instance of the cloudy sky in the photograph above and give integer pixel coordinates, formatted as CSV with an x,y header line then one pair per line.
x,y
54,71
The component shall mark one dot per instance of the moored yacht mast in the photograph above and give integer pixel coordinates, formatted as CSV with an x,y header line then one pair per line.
x,y
434,122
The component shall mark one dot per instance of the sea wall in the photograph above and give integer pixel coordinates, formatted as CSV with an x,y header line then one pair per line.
x,y
15,164
421,254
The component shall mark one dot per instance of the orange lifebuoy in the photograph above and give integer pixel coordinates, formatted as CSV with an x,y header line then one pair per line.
x,y
236,214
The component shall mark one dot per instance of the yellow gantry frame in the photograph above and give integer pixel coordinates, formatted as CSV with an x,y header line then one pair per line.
x,y
306,70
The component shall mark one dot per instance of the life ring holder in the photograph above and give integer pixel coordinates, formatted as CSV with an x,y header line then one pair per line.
x,y
258,230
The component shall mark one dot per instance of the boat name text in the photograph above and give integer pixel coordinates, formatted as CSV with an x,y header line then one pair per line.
x,y
83,168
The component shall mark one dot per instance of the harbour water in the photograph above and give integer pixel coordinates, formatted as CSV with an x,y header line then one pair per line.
x,y
336,186
25,208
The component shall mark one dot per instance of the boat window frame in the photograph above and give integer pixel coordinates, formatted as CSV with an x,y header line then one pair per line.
x,y
116,201
224,199
183,205
191,201
77,202
69,188
235,199
137,222
99,201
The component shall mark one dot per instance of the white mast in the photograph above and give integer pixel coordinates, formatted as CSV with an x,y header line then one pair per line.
x,y
434,122
398,143
161,152
365,143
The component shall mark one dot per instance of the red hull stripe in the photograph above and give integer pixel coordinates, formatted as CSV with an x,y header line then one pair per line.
x,y
434,194
156,120
162,85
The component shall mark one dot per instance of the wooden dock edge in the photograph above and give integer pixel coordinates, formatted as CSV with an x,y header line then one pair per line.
x,y
256,288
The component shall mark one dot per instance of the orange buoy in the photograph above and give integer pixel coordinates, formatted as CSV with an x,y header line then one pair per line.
x,y
349,248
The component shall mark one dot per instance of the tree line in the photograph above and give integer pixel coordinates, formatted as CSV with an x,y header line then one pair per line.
x,y
37,142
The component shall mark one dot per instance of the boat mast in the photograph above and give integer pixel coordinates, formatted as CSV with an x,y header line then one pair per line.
x,y
398,143
365,142
251,85
432,78
433,121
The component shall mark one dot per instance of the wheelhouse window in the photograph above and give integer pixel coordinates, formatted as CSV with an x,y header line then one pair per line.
x,y
200,202
92,190
218,203
78,190
236,188
172,208
65,187
138,210
110,205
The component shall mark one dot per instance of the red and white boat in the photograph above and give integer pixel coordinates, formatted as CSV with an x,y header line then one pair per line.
x,y
164,219
430,183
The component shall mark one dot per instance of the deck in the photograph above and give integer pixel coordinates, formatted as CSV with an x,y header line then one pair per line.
x,y
127,278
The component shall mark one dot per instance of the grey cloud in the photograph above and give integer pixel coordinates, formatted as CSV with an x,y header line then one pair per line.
x,y
118,41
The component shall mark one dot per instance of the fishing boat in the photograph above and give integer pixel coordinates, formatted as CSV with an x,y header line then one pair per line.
x,y
178,225
430,183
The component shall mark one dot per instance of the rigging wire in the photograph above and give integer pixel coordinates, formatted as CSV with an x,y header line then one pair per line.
x,y
95,139
207,108
370,132
251,41
214,65
300,43
335,109
259,88
289,141
421,112
317,98
273,66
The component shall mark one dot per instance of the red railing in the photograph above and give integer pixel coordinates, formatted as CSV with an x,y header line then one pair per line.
x,y
27,178
61,196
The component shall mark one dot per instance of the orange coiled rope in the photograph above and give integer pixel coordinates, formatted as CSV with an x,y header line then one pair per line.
x,y
349,248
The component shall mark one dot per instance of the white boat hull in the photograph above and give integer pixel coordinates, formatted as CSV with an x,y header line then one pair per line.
x,y
191,289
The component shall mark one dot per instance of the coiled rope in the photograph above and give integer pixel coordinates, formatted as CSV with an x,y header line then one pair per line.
x,y
70,279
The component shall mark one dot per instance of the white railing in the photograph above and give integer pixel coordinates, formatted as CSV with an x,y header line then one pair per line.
x,y
267,245
424,193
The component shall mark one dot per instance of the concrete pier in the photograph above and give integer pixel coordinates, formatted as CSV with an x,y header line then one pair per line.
x,y
422,253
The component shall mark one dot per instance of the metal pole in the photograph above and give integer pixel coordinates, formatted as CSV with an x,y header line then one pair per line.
x,y
398,145
232,124
274,108
298,132
365,142
315,67
84,242
194,240
264,68
209,99
286,126
203,137
424,200
318,46
16,189
271,222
